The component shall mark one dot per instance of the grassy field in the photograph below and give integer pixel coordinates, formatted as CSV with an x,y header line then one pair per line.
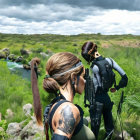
x,y
124,49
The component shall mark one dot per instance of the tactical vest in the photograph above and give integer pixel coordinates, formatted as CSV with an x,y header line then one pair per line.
x,y
106,73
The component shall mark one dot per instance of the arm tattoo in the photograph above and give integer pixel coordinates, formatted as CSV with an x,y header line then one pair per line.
x,y
67,120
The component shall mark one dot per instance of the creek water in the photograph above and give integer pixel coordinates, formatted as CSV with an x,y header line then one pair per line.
x,y
17,68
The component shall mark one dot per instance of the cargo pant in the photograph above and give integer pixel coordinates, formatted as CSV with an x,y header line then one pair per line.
x,y
103,106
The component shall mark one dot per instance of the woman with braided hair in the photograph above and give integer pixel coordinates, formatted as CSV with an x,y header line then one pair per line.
x,y
64,78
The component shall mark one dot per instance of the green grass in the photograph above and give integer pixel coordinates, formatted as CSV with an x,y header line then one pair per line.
x,y
122,48
14,93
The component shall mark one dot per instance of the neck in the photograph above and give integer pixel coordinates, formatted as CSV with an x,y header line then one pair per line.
x,y
67,92
96,55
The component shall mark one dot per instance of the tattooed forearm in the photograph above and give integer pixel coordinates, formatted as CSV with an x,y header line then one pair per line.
x,y
67,120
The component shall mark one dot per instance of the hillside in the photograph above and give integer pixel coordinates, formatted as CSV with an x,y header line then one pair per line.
x,y
124,49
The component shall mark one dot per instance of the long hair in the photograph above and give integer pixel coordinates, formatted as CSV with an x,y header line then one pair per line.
x,y
35,91
36,96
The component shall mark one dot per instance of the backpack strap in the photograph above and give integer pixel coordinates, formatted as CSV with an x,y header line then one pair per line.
x,y
53,111
80,124
48,107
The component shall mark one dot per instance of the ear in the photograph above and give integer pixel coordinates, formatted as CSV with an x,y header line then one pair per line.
x,y
73,77
74,80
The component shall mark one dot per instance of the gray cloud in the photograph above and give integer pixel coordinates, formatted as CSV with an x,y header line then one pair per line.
x,y
107,4
70,16
57,10
40,12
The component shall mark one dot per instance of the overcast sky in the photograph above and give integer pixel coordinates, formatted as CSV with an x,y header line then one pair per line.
x,y
70,16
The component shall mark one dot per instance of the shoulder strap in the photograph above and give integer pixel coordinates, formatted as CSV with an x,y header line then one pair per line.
x,y
80,110
80,124
54,109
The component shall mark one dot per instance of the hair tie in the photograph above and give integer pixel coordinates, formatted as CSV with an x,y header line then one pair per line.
x,y
47,76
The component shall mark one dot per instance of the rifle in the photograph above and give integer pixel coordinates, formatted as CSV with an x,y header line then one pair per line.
x,y
89,90
119,110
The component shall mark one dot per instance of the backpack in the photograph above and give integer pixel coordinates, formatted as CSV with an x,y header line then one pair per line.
x,y
106,73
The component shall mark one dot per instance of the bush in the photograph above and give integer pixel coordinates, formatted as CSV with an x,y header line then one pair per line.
x,y
3,126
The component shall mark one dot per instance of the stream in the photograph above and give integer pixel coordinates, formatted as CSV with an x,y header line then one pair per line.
x,y
17,68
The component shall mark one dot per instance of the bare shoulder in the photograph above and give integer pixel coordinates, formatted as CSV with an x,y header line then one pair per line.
x,y
66,118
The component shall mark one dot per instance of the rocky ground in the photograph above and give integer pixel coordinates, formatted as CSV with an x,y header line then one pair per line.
x,y
27,129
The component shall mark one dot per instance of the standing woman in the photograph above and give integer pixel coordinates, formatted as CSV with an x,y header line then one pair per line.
x,y
64,78
103,79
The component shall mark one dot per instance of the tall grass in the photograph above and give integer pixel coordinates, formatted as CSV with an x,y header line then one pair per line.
x,y
14,93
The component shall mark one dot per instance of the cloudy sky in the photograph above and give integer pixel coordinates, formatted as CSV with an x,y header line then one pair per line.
x,y
70,16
